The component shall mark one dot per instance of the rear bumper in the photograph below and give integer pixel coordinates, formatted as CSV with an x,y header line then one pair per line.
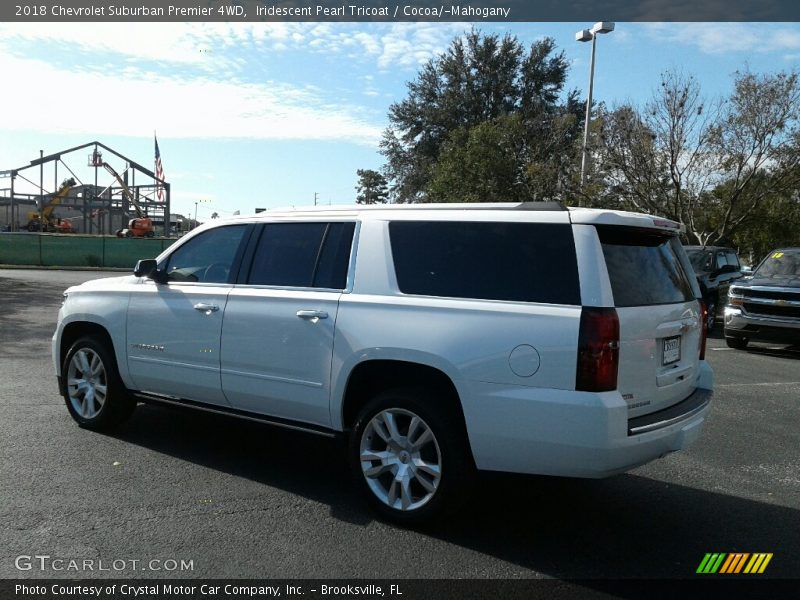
x,y
574,434
761,328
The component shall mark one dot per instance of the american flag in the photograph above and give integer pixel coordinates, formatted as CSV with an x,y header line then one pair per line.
x,y
159,173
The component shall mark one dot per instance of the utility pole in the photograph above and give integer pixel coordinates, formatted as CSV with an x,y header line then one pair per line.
x,y
315,198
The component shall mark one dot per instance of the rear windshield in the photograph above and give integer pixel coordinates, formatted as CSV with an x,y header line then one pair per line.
x,y
524,262
644,267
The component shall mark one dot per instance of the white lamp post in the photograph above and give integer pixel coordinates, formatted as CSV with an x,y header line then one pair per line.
x,y
587,35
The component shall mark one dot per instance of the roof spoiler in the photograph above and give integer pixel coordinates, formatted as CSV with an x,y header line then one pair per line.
x,y
540,206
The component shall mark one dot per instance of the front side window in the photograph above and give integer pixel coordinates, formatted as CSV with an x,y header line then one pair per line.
x,y
523,262
207,257
643,266
700,259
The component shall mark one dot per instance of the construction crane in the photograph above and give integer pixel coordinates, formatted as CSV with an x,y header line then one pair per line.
x,y
43,221
142,225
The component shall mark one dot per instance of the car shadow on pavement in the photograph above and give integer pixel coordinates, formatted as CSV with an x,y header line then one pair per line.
x,y
21,327
791,351
624,526
778,352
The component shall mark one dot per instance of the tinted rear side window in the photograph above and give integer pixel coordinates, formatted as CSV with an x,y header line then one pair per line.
x,y
334,260
303,255
643,267
524,262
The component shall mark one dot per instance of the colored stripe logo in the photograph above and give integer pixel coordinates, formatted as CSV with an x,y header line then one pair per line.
x,y
734,563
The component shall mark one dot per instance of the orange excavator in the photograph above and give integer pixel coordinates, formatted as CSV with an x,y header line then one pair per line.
x,y
142,225
44,221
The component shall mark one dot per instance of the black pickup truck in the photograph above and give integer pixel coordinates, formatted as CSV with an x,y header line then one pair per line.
x,y
716,269
766,306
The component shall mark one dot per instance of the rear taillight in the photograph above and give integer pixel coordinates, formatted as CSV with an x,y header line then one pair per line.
x,y
704,328
598,350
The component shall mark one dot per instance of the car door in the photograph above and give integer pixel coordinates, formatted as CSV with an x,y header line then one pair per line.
x,y
724,276
174,328
277,336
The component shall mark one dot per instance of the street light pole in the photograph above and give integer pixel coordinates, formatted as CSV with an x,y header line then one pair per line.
x,y
588,112
584,36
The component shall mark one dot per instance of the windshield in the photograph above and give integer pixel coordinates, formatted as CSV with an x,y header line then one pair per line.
x,y
779,264
700,259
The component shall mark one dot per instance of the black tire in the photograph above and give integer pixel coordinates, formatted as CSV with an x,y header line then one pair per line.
x,y
736,342
117,405
150,234
455,466
129,234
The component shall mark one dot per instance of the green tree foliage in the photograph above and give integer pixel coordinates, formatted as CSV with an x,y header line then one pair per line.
x,y
707,165
372,187
480,164
775,223
484,121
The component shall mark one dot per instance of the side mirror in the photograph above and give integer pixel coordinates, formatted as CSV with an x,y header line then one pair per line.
x,y
149,268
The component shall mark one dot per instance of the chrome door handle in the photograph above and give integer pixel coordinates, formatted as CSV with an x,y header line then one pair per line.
x,y
206,308
312,314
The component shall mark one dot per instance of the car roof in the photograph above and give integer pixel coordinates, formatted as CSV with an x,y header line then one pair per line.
x,y
552,212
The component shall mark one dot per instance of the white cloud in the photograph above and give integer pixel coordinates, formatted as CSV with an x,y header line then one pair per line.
x,y
724,38
412,44
201,107
119,85
150,41
208,46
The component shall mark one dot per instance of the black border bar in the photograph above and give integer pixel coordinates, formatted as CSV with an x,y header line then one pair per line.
x,y
399,10
705,586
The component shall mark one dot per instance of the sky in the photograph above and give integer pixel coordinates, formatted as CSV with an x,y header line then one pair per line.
x,y
269,114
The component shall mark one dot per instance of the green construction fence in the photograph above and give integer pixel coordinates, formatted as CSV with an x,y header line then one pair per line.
x,y
73,250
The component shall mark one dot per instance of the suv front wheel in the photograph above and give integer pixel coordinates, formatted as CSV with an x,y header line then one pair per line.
x,y
92,388
736,342
406,455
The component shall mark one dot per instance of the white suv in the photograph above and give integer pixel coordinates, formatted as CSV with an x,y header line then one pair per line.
x,y
439,338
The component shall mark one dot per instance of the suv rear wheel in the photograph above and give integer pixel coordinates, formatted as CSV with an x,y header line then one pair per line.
x,y
407,457
92,388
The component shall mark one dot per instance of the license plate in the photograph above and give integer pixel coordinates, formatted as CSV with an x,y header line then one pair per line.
x,y
672,350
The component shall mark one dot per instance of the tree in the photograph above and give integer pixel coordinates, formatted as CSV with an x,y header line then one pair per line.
x,y
758,139
215,215
708,166
774,223
372,187
480,164
484,100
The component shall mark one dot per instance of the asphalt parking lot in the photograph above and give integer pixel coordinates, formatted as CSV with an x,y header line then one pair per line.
x,y
242,500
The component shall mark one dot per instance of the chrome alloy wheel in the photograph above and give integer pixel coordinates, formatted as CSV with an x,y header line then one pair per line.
x,y
87,384
400,459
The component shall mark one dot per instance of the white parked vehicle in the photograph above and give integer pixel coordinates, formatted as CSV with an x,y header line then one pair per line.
x,y
439,338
